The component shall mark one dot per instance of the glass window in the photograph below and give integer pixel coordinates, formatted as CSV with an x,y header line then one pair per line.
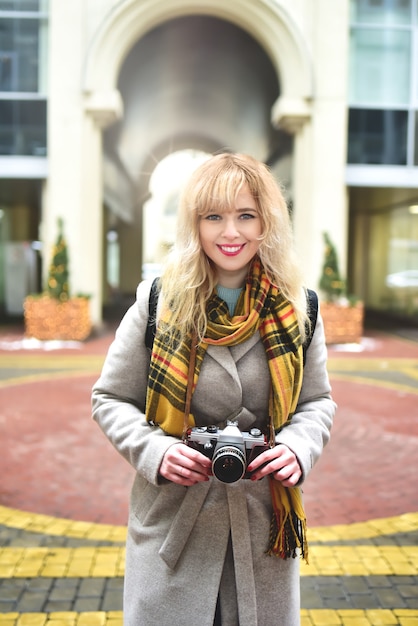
x,y
416,139
23,127
8,69
380,67
401,281
381,11
377,137
19,55
19,5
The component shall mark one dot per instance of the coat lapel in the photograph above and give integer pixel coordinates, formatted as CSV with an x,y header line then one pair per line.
x,y
228,356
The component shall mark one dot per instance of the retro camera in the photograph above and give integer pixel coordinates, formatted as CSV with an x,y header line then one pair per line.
x,y
230,449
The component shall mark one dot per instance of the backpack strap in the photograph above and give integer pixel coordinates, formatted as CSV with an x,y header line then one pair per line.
x,y
312,298
152,314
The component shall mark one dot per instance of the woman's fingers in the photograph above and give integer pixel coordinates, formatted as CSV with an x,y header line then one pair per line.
x,y
280,462
184,465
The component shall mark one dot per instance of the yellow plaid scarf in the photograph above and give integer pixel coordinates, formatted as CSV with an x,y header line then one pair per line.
x,y
261,308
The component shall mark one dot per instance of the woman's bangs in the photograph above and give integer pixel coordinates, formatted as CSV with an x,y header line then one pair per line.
x,y
219,192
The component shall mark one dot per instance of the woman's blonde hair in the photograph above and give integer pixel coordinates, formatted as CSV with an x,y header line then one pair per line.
x,y
189,277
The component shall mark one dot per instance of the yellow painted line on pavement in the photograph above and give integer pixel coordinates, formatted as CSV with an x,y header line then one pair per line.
x,y
62,366
373,382
309,617
411,372
370,529
45,377
61,527
351,369
84,562
109,561
56,526
50,359
361,560
365,364
358,617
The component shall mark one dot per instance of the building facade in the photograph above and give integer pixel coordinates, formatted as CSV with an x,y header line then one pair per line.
x,y
104,104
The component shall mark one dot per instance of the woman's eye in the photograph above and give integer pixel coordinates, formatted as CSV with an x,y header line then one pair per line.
x,y
247,216
212,217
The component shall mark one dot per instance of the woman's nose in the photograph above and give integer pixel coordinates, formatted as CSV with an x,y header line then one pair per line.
x,y
230,229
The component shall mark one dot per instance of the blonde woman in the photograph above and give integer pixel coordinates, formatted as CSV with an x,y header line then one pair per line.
x,y
225,416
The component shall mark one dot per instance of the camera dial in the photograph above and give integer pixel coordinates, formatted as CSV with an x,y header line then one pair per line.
x,y
255,432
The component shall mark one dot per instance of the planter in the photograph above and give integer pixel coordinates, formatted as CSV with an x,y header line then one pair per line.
x,y
47,318
342,324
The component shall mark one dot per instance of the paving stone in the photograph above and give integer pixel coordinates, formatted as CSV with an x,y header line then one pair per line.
x,y
408,591
52,606
364,601
7,606
9,590
412,603
62,593
82,605
332,591
112,600
337,603
39,583
7,535
356,585
90,587
310,597
378,581
115,583
390,598
32,601
67,583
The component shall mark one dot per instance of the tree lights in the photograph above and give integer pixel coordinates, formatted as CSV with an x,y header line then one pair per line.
x,y
54,314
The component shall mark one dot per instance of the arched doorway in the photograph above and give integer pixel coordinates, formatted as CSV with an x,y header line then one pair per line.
x,y
199,81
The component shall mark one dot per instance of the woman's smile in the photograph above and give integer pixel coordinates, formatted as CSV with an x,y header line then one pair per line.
x,y
231,250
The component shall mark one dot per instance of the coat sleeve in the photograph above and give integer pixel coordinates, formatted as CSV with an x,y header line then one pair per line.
x,y
310,428
118,397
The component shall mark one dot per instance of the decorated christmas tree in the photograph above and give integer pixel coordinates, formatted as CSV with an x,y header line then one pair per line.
x,y
331,283
57,284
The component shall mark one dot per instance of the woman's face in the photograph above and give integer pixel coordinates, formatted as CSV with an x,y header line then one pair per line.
x,y
230,238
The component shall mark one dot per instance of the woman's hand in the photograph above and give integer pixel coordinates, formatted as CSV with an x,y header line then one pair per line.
x,y
185,466
280,462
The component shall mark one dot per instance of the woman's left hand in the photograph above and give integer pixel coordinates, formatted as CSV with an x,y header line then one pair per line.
x,y
280,462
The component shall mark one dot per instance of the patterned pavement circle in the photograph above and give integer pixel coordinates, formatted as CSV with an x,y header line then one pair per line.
x,y
362,501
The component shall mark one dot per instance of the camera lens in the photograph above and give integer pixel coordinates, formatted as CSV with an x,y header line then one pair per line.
x,y
228,464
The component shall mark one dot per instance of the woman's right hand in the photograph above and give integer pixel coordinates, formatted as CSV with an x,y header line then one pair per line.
x,y
185,466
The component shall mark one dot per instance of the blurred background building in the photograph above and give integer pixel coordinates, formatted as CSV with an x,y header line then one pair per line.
x,y
105,106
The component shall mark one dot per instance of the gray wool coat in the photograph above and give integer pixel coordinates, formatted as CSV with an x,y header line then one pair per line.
x,y
186,545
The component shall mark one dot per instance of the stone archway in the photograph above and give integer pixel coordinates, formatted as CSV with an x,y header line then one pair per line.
x,y
270,25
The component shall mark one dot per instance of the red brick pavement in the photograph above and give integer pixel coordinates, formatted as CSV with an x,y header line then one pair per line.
x,y
56,461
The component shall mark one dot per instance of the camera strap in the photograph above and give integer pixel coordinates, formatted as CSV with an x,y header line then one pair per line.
x,y
272,431
189,389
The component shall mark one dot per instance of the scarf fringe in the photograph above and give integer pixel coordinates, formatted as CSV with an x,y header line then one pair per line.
x,y
286,539
288,529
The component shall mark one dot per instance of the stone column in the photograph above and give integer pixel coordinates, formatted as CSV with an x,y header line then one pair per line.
x,y
74,186
318,120
101,110
318,180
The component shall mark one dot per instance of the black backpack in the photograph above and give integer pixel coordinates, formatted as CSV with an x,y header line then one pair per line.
x,y
152,316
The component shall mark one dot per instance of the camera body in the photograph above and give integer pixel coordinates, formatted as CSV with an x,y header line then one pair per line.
x,y
230,449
